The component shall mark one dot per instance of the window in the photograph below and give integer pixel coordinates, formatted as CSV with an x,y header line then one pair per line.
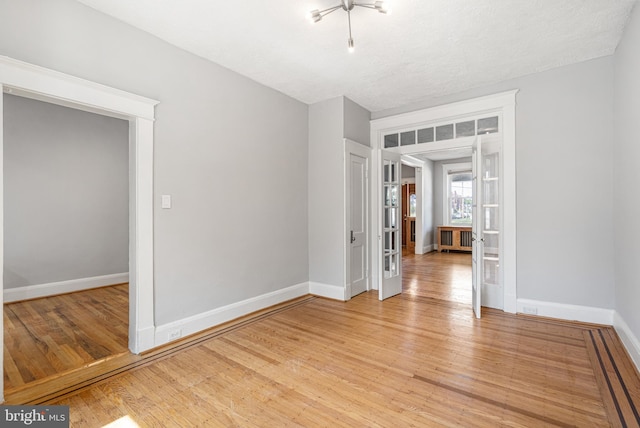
x,y
390,140
407,138
460,199
442,132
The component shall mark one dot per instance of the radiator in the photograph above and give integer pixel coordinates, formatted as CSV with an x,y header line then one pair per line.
x,y
465,238
454,238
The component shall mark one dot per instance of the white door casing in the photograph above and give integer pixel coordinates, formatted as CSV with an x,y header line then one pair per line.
x,y
477,240
390,173
27,80
419,167
501,104
357,161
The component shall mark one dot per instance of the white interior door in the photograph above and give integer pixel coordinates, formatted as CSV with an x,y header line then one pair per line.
x,y
490,222
391,233
357,224
486,236
476,229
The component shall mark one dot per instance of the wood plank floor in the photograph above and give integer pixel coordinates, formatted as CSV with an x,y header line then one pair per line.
x,y
413,360
440,276
46,337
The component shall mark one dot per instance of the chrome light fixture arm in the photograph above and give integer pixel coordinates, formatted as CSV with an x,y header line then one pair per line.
x,y
347,5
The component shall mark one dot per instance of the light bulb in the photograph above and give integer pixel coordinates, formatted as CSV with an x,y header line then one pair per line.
x,y
314,16
351,47
383,7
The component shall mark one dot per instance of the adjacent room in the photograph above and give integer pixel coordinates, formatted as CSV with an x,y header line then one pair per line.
x,y
66,233
202,218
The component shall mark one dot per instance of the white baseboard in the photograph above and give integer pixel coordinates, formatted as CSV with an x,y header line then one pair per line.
x,y
142,340
566,312
429,248
629,340
325,290
193,324
62,287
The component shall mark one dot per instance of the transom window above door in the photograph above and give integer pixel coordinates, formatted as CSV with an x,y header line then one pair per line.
x,y
443,131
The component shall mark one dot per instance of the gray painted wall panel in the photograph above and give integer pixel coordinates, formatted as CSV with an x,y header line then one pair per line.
x,y
564,131
233,232
326,192
66,196
356,122
627,173
428,205
330,122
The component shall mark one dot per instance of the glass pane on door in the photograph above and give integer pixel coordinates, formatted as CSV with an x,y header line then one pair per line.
x,y
490,224
391,214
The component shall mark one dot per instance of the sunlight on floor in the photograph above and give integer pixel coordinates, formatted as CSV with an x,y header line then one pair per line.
x,y
443,276
123,422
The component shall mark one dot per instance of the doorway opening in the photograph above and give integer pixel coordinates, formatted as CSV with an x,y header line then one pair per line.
x,y
66,239
431,271
453,127
30,81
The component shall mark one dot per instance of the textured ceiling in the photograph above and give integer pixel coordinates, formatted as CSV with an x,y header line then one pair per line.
x,y
424,49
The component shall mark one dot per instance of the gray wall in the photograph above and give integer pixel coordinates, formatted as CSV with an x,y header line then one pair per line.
x,y
233,233
428,204
429,208
408,171
330,122
357,122
564,128
326,192
438,188
626,203
66,196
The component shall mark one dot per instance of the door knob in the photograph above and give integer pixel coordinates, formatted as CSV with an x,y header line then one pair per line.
x,y
353,238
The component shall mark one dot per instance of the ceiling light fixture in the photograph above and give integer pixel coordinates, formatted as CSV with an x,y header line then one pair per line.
x,y
347,5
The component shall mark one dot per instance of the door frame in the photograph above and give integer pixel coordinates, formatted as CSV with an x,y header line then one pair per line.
x,y
419,167
39,83
352,147
503,104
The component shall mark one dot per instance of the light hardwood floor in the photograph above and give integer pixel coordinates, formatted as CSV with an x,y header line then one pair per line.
x,y
438,276
412,360
46,337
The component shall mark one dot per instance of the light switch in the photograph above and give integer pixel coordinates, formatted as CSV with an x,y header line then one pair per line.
x,y
166,201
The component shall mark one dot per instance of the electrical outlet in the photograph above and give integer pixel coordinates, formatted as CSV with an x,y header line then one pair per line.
x,y
175,334
530,310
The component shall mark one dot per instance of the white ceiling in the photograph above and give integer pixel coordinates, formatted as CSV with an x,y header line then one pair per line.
x,y
424,49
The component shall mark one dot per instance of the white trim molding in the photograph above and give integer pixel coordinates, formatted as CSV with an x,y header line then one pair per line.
x,y
329,291
174,330
63,287
565,311
32,81
501,104
629,340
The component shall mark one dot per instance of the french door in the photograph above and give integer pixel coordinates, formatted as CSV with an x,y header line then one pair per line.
x,y
487,289
391,234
